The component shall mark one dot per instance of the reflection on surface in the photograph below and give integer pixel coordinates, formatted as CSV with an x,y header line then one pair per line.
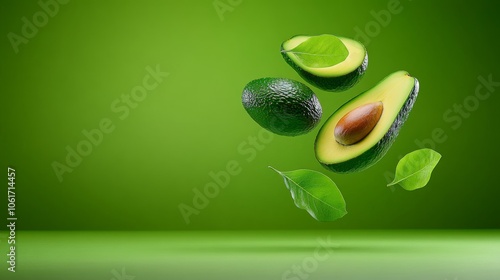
x,y
259,255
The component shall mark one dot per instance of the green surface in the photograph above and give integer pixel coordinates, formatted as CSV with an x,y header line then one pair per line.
x,y
79,68
340,255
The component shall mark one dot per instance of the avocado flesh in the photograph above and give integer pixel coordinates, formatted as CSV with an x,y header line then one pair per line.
x,y
339,77
398,93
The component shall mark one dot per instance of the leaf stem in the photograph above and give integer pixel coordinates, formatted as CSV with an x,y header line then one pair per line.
x,y
279,172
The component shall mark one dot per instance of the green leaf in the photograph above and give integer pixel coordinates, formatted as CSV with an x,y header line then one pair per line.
x,y
321,51
414,169
316,193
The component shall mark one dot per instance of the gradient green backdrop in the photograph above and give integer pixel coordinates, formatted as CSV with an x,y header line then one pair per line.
x,y
66,77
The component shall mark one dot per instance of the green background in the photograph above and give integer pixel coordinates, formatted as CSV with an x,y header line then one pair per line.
x,y
66,77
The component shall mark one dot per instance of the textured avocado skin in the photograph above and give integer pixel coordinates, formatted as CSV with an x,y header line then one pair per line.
x,y
377,152
334,84
282,106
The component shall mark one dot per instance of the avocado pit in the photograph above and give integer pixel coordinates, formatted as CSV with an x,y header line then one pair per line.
x,y
358,123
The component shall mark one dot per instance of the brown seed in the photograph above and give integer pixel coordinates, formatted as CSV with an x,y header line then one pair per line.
x,y
358,123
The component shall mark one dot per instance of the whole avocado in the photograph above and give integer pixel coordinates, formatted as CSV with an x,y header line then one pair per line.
x,y
282,106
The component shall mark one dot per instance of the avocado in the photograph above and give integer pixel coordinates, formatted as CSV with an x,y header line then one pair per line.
x,y
360,132
283,106
339,77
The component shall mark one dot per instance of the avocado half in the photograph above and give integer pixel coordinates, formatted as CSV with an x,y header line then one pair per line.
x,y
339,77
398,93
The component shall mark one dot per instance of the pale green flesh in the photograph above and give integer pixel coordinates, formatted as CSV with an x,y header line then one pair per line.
x,y
393,92
357,53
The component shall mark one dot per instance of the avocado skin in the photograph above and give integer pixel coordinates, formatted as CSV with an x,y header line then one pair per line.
x,y
334,84
282,106
378,151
